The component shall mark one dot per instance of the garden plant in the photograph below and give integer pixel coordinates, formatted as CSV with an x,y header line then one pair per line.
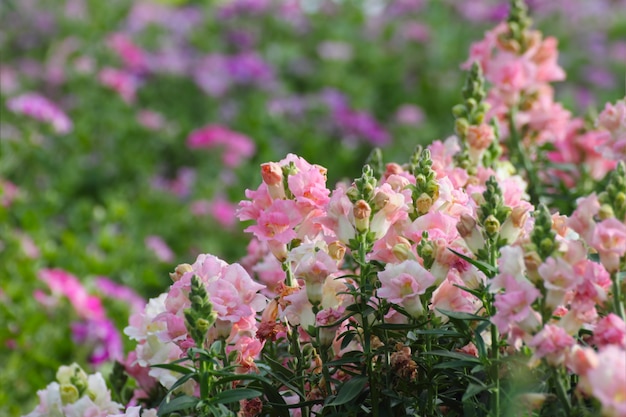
x,y
479,275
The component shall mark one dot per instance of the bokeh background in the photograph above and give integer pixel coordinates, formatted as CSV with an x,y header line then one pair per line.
x,y
130,130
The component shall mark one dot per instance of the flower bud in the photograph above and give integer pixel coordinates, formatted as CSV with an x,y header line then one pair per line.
x,y
180,270
423,203
458,111
362,212
492,225
337,250
469,231
272,175
402,250
606,212
279,250
69,394
512,227
380,200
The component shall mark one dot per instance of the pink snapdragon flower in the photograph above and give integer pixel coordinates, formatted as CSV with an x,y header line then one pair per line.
x,y
605,379
613,121
403,284
514,305
609,239
552,343
610,330
40,108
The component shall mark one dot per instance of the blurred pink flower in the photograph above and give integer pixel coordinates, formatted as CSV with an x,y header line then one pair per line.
x,y
40,108
101,336
160,249
610,330
222,210
237,146
151,120
409,114
552,343
8,192
121,81
609,239
133,57
65,284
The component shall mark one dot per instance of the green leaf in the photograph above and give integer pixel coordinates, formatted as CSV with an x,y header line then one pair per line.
x,y
349,391
176,368
182,380
462,316
454,355
472,390
234,395
487,269
184,402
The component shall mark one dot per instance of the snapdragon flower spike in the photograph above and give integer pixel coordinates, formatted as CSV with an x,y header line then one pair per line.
x,y
518,24
543,238
614,196
476,135
493,213
200,316
426,189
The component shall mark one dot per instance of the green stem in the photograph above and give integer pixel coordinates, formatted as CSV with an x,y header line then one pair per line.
x,y
495,367
366,290
618,306
561,393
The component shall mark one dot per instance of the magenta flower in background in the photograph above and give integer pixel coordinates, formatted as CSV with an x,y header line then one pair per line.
x,y
120,81
8,192
102,336
158,246
62,283
222,210
120,292
40,108
237,146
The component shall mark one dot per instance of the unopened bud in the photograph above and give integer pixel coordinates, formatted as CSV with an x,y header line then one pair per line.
x,y
393,168
362,212
461,126
492,225
272,175
532,261
380,200
180,270
402,251
423,203
278,249
606,212
203,325
466,224
458,111
336,250
69,393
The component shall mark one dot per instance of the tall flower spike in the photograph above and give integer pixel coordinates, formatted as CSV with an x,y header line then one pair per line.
x,y
426,190
614,196
363,188
200,316
493,212
475,134
518,22
543,237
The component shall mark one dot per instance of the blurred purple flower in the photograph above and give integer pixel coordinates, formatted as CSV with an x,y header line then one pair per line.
x,y
101,336
599,77
179,186
236,8
250,68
